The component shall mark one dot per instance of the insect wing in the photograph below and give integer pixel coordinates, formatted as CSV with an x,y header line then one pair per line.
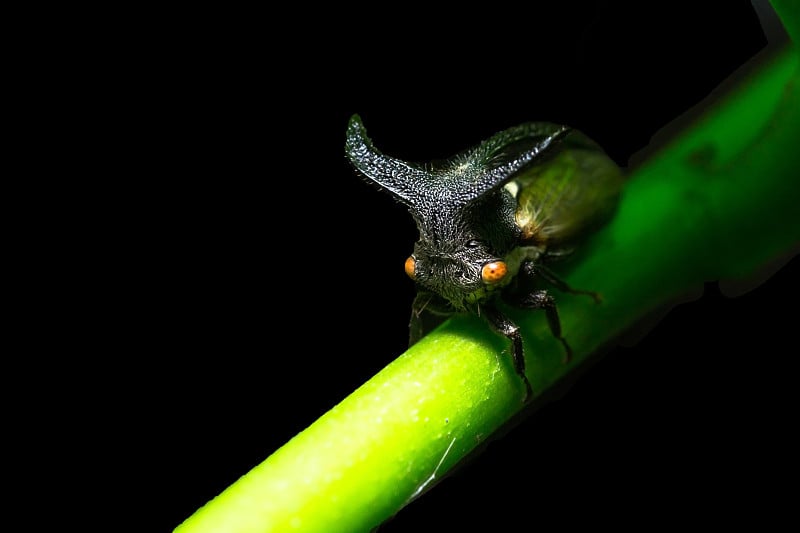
x,y
568,194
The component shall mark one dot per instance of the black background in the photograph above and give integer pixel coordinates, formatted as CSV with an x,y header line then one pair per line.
x,y
271,277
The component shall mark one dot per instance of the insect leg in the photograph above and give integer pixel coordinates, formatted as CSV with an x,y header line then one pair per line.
x,y
550,277
427,312
504,326
541,299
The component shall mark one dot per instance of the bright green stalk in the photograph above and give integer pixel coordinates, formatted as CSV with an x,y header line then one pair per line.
x,y
717,203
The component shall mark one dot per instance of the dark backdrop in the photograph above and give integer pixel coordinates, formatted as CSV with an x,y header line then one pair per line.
x,y
271,277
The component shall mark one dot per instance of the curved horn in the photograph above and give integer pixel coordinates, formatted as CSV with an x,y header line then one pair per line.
x,y
405,182
498,160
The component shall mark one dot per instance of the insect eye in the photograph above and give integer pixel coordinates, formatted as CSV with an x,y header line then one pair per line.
x,y
473,243
493,271
411,265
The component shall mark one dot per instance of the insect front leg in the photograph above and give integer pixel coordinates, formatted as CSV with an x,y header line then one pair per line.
x,y
503,325
427,311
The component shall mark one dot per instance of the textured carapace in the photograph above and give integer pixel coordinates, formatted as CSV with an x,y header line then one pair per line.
x,y
449,202
490,218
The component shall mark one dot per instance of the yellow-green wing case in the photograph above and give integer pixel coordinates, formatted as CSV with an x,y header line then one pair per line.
x,y
568,195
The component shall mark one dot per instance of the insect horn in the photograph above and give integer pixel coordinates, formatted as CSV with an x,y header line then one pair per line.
x,y
500,167
404,181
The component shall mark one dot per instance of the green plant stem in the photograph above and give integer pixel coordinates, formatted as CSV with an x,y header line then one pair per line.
x,y
789,13
717,203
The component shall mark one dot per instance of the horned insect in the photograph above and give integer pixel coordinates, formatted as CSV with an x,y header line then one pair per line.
x,y
491,218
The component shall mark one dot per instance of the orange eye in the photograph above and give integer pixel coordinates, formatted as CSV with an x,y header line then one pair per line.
x,y
411,263
494,271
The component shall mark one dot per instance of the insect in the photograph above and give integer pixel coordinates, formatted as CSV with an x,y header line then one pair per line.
x,y
491,218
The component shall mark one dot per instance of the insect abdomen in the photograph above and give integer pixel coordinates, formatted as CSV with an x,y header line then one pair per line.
x,y
565,196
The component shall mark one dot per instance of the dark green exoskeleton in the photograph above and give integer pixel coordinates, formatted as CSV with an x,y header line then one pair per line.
x,y
490,218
